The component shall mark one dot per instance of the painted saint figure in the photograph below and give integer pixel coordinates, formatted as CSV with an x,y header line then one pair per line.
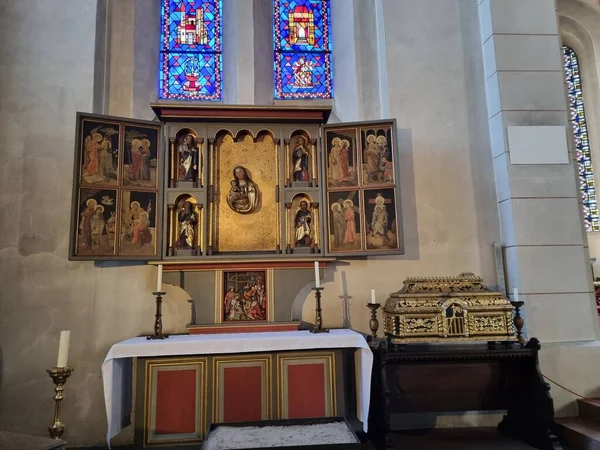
x,y
339,224
145,151
187,226
137,156
303,223
97,223
243,196
85,224
349,216
188,158
379,221
344,161
334,155
300,159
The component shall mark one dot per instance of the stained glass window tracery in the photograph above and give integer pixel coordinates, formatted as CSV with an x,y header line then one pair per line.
x,y
582,143
302,49
190,54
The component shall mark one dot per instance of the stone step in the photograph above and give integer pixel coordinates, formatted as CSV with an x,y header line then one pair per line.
x,y
575,433
589,409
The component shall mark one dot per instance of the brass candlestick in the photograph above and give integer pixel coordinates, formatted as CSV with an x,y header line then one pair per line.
x,y
519,322
158,334
318,326
59,375
373,323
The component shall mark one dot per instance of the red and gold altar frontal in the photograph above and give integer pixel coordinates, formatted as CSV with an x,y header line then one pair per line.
x,y
448,309
179,397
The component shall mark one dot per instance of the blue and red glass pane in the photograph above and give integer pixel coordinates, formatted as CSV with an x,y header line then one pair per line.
x,y
582,143
302,49
190,66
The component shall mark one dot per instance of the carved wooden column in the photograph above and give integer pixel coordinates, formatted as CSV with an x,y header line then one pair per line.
x,y
173,163
199,226
315,212
171,225
288,207
200,169
211,195
313,151
287,163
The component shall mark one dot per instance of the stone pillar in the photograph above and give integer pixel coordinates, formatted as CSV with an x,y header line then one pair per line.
x,y
536,181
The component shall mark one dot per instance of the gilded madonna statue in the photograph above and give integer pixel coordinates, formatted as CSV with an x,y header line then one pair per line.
x,y
243,196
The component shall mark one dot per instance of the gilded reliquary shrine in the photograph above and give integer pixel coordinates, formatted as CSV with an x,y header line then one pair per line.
x,y
448,309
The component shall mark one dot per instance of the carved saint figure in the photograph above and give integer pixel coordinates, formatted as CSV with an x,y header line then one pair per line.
x,y
188,158
300,158
303,223
243,196
187,226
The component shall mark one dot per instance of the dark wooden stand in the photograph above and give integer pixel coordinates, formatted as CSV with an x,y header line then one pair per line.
x,y
440,378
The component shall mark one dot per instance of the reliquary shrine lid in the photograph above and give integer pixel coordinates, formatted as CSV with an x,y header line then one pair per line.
x,y
182,111
447,308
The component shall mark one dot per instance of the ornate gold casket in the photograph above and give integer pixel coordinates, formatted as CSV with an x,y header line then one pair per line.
x,y
447,309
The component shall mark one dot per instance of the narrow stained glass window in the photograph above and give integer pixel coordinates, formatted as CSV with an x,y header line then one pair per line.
x,y
582,143
190,53
302,49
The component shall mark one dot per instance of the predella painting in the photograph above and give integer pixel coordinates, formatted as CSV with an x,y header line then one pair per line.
x,y
138,223
380,218
344,222
97,222
99,153
342,161
140,159
245,296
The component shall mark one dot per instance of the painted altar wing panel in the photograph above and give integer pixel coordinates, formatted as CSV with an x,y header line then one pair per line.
x,y
370,179
107,172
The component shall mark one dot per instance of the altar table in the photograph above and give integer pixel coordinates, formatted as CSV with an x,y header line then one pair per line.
x,y
117,366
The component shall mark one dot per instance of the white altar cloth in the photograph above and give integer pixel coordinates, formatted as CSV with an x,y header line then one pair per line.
x,y
117,366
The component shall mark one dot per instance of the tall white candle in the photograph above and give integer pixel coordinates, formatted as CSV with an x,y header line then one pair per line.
x,y
515,295
159,279
373,300
317,275
63,348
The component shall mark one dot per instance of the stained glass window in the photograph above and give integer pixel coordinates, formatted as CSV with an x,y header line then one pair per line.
x,y
302,49
582,143
190,54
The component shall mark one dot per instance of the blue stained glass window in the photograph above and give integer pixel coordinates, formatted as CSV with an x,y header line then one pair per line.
x,y
190,54
582,143
302,49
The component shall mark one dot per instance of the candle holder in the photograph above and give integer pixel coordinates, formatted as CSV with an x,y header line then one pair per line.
x,y
373,323
59,376
318,326
519,322
158,334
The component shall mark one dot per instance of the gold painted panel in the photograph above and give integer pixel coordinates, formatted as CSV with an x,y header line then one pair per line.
x,y
255,230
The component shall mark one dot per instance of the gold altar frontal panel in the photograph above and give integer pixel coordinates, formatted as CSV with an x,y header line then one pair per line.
x,y
257,230
448,309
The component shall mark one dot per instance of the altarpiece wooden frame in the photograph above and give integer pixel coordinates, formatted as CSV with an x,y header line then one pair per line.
x,y
313,190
